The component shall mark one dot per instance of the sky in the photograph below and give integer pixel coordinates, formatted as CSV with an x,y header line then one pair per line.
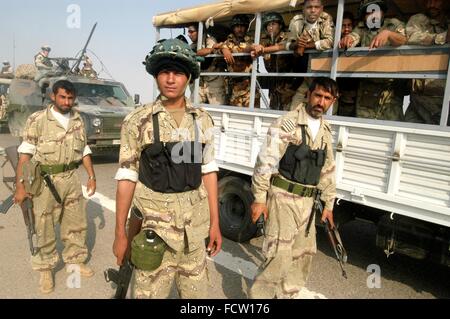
x,y
123,37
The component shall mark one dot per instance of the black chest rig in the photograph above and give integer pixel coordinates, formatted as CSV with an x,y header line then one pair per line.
x,y
171,167
302,165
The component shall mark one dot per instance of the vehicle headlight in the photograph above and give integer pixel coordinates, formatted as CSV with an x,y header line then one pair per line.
x,y
96,122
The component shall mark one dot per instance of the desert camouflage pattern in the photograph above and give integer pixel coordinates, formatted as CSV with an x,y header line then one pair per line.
x,y
323,31
89,72
363,36
422,30
240,93
288,254
177,216
281,90
212,88
55,145
3,107
42,62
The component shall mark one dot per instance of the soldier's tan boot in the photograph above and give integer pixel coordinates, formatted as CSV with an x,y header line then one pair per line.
x,y
85,271
46,284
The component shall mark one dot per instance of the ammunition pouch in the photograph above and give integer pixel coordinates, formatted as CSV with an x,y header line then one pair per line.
x,y
32,177
146,255
302,165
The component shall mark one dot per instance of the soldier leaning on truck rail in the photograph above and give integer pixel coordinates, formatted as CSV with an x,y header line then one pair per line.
x,y
427,94
285,182
239,42
177,196
281,90
212,88
55,140
380,99
312,29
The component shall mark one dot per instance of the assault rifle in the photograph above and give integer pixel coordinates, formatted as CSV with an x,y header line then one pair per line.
x,y
122,276
27,206
332,234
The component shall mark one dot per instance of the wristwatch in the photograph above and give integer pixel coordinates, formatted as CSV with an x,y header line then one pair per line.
x,y
92,177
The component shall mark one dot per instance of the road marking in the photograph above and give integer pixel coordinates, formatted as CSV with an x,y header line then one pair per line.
x,y
225,259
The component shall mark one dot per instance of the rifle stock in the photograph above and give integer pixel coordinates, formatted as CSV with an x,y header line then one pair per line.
x,y
122,276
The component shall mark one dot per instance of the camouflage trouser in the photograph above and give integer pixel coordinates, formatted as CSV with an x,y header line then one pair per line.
x,y
424,109
378,101
72,217
188,269
281,95
240,95
211,92
288,253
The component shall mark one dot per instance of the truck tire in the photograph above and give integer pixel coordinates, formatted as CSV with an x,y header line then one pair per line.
x,y
235,199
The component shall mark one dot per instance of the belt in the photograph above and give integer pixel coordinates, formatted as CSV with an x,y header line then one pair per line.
x,y
294,188
59,168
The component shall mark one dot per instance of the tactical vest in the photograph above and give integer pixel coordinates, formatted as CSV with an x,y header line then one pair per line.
x,y
302,165
171,167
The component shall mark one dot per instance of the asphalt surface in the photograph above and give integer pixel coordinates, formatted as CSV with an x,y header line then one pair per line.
x,y
231,272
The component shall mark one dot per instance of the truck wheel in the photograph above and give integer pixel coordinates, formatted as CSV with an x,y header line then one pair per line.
x,y
235,198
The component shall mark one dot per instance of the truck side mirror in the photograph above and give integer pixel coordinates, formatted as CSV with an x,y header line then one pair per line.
x,y
137,99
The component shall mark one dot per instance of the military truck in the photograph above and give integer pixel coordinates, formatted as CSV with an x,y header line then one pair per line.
x,y
4,89
102,103
394,174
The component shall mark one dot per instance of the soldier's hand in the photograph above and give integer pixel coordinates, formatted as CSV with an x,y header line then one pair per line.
x,y
215,240
228,56
120,248
346,42
327,215
91,187
258,209
380,40
20,195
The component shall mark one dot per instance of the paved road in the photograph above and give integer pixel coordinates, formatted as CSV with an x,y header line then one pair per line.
x,y
231,272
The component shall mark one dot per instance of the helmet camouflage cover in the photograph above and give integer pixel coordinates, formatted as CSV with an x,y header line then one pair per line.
x,y
272,16
176,50
365,3
240,19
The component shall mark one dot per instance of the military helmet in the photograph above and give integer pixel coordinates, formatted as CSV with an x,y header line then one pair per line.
x,y
365,3
240,19
6,62
175,50
272,16
46,48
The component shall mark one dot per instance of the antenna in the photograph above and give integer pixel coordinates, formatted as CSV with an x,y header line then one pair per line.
x,y
75,66
14,51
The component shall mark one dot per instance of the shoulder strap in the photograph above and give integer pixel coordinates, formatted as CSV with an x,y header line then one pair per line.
x,y
197,133
303,134
155,128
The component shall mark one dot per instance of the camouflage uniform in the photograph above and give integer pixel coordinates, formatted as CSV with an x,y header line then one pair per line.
x,y
181,219
88,72
42,62
240,86
212,88
54,145
427,94
379,98
288,253
281,90
321,32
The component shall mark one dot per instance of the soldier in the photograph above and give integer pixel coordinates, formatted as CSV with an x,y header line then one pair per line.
x,y
378,98
212,88
281,90
55,140
41,60
288,181
312,29
178,198
6,69
87,70
239,42
347,87
427,94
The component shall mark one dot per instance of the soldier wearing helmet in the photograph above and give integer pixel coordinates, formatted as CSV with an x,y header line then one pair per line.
x,y
212,88
427,95
168,173
6,69
41,60
87,70
281,90
239,42
378,98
